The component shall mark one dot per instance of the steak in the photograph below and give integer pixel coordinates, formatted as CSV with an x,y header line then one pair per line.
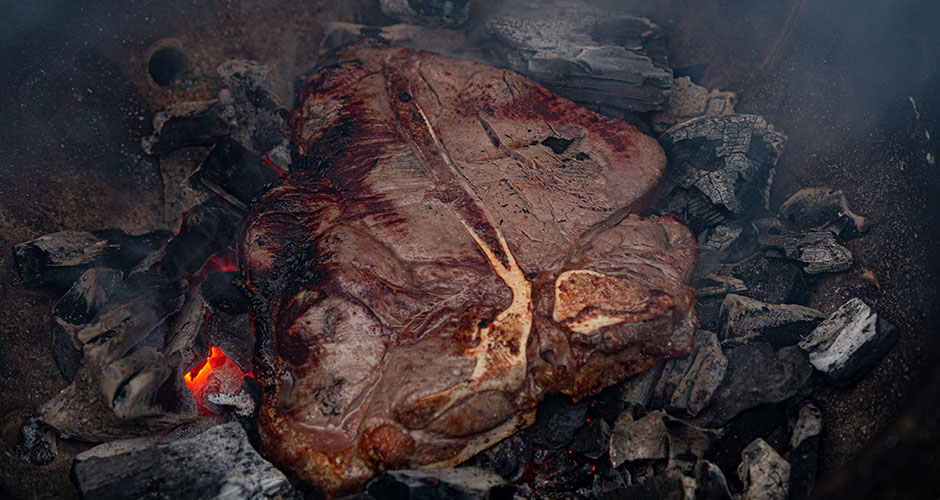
x,y
459,242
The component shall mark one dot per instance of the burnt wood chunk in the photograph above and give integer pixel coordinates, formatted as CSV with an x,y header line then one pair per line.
x,y
219,463
756,375
849,341
234,173
743,319
688,383
462,483
427,12
608,61
74,310
508,458
207,229
228,324
765,474
56,260
688,100
804,451
817,251
712,484
642,439
727,158
193,123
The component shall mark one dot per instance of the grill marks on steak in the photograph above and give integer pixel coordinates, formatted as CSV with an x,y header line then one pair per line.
x,y
461,245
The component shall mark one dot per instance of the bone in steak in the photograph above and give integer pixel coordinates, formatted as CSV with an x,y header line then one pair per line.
x,y
461,243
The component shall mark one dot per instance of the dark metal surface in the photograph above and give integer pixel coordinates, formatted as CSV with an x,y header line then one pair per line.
x,y
855,86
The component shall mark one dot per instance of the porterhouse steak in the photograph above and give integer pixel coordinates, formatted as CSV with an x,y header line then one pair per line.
x,y
459,243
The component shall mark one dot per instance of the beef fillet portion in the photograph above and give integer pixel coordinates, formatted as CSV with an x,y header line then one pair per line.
x,y
461,243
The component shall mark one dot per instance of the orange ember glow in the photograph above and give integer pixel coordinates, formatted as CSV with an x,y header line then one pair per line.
x,y
217,373
224,261
280,171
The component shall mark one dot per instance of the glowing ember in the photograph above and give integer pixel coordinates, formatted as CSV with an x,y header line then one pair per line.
x,y
217,373
280,170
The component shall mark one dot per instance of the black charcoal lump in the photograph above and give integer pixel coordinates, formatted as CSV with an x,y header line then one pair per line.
x,y
688,101
849,341
727,158
219,463
642,439
687,383
742,319
604,60
461,483
804,451
756,375
427,12
817,251
56,260
765,474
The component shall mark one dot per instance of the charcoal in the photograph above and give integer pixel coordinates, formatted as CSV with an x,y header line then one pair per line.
x,y
668,485
768,279
687,444
825,209
769,422
690,206
219,463
849,341
508,458
243,404
179,195
439,40
558,470
689,100
591,439
122,344
56,260
259,117
185,124
607,480
247,108
80,412
728,158
607,405
643,439
460,483
234,173
186,342
427,12
610,62
207,230
710,293
817,251
717,242
743,319
228,323
76,308
756,375
639,389
765,474
37,442
687,383
804,451
556,421
712,484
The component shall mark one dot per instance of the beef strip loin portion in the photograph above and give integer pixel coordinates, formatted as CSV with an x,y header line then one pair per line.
x,y
461,243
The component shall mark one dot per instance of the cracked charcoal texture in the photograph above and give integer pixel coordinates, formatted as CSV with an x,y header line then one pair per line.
x,y
611,62
727,158
219,463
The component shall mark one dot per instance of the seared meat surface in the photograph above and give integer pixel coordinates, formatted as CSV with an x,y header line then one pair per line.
x,y
460,243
